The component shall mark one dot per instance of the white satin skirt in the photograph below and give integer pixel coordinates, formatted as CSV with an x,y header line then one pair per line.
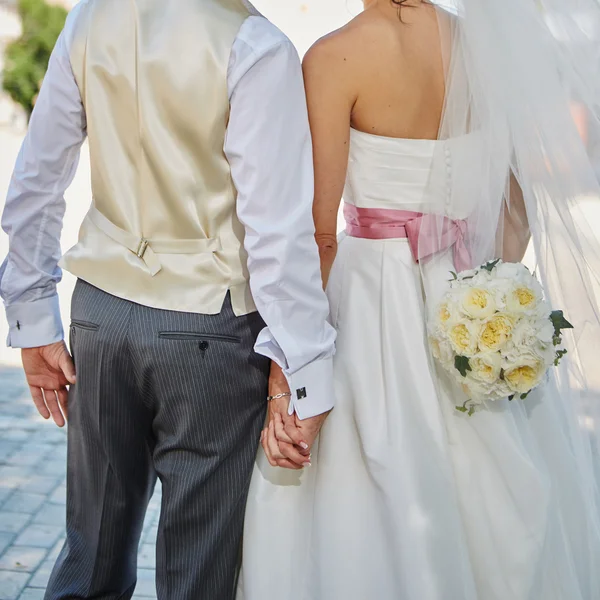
x,y
408,499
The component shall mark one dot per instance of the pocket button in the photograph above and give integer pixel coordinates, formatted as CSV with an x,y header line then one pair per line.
x,y
203,345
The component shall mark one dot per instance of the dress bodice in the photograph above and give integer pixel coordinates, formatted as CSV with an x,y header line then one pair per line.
x,y
407,174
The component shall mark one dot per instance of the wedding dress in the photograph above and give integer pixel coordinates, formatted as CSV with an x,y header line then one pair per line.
x,y
408,499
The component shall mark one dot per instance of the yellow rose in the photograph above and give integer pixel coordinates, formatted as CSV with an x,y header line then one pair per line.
x,y
495,333
521,299
463,340
524,378
478,303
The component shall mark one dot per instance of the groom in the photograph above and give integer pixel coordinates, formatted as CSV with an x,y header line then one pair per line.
x,y
201,216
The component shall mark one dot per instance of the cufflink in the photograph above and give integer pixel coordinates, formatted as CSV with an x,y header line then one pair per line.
x,y
301,393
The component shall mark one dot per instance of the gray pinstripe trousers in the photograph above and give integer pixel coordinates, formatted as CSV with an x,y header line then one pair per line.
x,y
175,395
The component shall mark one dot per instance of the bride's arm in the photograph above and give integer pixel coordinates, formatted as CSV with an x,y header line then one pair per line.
x,y
515,226
330,97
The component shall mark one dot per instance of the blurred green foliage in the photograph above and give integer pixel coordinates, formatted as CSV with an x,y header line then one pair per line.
x,y
27,57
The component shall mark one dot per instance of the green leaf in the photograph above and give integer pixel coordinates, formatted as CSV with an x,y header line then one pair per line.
x,y
468,407
511,398
559,355
462,365
454,276
490,266
558,320
523,396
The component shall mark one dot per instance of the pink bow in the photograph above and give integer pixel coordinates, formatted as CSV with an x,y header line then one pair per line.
x,y
426,234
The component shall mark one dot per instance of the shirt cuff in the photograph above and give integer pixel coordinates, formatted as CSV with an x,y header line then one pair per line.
x,y
312,389
34,324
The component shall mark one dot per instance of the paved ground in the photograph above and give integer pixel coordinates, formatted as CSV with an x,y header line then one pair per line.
x,y
32,498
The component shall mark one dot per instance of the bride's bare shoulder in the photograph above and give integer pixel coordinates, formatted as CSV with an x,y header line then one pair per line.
x,y
350,47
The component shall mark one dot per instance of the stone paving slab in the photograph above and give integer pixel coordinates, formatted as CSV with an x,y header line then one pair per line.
x,y
12,584
33,497
32,594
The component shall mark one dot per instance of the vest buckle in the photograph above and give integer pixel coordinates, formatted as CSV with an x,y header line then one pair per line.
x,y
142,247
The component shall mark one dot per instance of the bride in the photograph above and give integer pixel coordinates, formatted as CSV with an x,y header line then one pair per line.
x,y
465,116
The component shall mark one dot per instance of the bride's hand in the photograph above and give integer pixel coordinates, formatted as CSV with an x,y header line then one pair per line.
x,y
282,440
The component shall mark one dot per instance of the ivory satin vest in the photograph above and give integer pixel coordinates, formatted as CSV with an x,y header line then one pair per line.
x,y
162,230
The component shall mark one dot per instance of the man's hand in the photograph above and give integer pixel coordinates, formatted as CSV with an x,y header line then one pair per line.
x,y
310,428
49,369
282,440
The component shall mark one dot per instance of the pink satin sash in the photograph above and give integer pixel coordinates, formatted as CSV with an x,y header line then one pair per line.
x,y
426,234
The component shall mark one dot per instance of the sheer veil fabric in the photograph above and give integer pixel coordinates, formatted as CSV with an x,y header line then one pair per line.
x,y
522,104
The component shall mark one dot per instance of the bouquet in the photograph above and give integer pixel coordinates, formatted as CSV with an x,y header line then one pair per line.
x,y
495,333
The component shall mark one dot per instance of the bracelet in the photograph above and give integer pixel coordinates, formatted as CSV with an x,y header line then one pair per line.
x,y
283,395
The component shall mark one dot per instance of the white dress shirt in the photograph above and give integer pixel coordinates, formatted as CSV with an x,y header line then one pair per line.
x,y
269,149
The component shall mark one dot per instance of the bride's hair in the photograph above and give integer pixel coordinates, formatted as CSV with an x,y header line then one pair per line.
x,y
400,4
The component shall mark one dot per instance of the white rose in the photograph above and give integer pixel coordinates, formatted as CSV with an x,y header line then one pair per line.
x,y
442,352
500,288
531,339
543,310
525,334
545,331
483,278
485,367
515,272
479,391
547,352
478,303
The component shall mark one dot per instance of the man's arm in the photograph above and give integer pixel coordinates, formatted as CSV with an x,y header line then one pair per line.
x,y
32,218
269,148
35,207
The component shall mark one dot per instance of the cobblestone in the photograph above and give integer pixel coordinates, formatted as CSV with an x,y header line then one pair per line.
x,y
22,558
40,536
33,497
22,502
32,594
12,584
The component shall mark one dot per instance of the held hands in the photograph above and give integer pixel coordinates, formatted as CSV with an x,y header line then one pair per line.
x,y
287,441
49,369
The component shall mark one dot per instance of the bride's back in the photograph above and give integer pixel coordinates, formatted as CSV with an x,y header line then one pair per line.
x,y
396,60
382,74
